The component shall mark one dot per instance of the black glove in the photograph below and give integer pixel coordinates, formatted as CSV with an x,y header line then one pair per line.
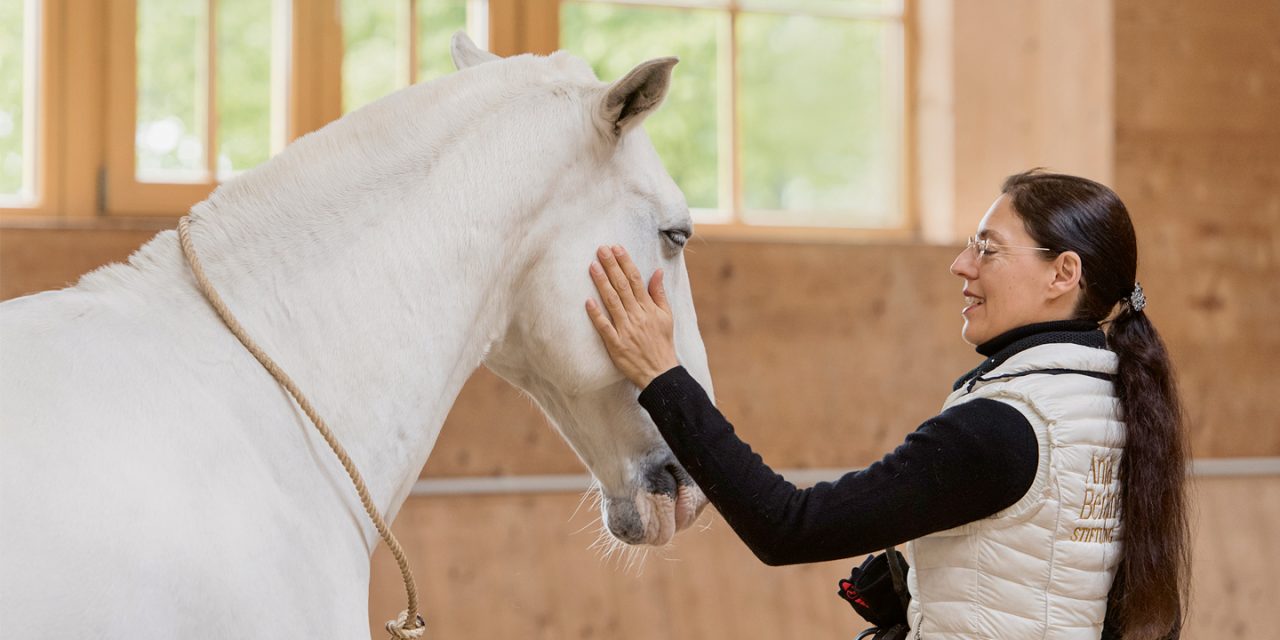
x,y
870,590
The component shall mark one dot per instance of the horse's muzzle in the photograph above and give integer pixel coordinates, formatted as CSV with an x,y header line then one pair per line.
x,y
667,502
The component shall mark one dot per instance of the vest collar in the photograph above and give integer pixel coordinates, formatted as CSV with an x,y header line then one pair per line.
x,y
1005,346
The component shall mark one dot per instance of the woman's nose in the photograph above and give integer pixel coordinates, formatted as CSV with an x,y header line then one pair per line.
x,y
964,265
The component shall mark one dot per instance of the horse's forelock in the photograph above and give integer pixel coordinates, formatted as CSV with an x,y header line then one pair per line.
x,y
575,69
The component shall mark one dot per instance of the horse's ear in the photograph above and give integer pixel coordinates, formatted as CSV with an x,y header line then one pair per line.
x,y
466,53
630,100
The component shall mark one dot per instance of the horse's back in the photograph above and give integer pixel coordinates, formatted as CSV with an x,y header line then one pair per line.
x,y
73,371
126,488
76,472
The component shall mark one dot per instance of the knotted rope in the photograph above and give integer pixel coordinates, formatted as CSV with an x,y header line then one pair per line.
x,y
400,627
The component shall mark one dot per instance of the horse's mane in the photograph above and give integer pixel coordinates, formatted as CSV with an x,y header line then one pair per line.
x,y
321,172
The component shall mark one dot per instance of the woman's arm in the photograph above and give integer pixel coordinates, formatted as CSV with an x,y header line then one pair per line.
x,y
963,465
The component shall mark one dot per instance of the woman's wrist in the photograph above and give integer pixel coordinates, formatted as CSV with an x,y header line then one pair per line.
x,y
647,377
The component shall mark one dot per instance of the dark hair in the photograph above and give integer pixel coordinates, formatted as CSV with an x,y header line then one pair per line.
x,y
1067,213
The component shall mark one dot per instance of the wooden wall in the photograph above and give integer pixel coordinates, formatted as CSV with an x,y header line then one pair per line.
x,y
827,355
1198,161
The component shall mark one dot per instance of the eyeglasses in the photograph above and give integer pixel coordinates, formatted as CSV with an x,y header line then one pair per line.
x,y
984,246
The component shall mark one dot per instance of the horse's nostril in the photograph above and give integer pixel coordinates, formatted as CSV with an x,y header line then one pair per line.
x,y
663,480
682,477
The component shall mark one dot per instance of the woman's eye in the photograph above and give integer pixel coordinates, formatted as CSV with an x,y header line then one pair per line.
x,y
677,237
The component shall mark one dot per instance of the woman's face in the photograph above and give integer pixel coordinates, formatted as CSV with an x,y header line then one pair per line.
x,y
1008,287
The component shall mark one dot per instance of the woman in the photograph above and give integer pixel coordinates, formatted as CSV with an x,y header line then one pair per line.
x,y
1011,498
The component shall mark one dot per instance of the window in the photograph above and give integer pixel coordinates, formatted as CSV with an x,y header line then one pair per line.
x,y
204,89
785,114
193,98
390,44
19,97
782,112
203,111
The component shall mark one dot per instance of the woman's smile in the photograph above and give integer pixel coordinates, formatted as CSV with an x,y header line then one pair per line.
x,y
971,302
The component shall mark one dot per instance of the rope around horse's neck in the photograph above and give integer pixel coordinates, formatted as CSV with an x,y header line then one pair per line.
x,y
408,624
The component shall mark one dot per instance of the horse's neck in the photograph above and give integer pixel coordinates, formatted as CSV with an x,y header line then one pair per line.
x,y
378,324
379,330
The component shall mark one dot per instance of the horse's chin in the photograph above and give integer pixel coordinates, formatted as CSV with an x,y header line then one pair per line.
x,y
655,518
689,504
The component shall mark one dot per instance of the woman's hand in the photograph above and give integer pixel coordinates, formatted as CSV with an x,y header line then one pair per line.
x,y
638,331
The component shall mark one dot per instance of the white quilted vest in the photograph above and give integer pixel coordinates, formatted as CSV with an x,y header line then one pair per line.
x,y
1041,568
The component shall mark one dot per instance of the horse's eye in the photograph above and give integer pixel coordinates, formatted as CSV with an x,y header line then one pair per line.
x,y
677,237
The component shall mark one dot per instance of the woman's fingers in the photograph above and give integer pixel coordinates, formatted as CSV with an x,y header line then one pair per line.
x,y
601,322
634,279
621,286
639,338
607,293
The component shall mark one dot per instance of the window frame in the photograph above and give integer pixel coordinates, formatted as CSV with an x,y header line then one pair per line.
x,y
124,192
84,180
44,107
951,70
311,93
730,144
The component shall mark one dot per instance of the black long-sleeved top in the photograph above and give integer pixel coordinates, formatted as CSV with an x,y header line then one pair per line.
x,y
964,464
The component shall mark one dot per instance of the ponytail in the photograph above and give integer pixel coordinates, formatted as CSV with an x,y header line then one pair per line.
x,y
1146,599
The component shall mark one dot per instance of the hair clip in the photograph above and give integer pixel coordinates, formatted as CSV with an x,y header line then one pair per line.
x,y
1136,299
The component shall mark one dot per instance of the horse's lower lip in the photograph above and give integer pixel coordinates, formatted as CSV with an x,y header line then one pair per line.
x,y
689,503
669,515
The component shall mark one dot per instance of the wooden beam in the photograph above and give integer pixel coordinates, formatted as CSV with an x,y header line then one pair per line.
x,y
315,69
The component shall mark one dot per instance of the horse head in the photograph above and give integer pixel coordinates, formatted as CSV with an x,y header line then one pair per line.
x,y
613,190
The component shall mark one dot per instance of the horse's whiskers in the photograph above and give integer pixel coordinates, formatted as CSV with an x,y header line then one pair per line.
x,y
609,550
586,526
704,522
593,492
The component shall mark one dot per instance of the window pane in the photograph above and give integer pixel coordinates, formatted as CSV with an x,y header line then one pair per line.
x,y
18,38
818,121
244,84
437,21
614,39
372,63
172,68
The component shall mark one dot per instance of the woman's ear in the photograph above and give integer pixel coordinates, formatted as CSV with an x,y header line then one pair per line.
x,y
1068,273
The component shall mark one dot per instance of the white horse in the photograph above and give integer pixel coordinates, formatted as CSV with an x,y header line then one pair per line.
x,y
156,481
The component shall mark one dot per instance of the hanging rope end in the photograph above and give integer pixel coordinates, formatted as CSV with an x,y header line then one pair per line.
x,y
400,630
